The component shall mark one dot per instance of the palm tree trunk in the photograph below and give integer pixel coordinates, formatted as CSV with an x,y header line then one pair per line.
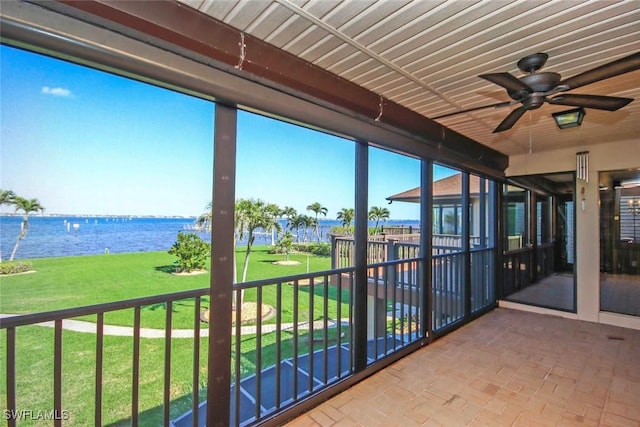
x,y
235,266
235,274
23,233
15,248
246,264
244,273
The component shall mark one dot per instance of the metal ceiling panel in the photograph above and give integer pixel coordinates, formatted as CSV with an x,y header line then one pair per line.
x,y
268,22
346,11
373,17
397,26
218,8
306,40
244,13
427,55
323,47
288,31
349,62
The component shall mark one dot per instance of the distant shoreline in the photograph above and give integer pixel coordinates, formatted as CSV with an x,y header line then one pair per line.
x,y
58,215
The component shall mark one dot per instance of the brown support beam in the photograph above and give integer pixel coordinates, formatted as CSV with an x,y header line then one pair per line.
x,y
221,287
361,234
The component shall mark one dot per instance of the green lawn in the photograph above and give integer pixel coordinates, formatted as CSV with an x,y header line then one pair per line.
x,y
76,281
85,280
35,373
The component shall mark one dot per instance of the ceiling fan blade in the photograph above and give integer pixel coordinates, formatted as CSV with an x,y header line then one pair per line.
x,y
615,68
468,110
610,103
510,120
507,81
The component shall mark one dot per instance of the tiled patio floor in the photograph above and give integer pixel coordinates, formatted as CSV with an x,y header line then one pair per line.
x,y
508,368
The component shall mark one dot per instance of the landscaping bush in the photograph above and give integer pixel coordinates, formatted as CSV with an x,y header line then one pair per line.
x,y
320,249
285,244
192,252
14,267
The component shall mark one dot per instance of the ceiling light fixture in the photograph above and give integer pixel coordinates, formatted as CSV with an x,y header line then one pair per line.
x,y
569,118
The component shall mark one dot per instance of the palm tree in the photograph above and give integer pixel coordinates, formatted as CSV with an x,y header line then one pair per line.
x,y
252,214
27,206
285,243
6,198
317,208
289,213
378,213
346,216
307,223
203,222
276,213
295,221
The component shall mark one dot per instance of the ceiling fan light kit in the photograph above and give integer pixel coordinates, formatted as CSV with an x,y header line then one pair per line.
x,y
535,88
569,118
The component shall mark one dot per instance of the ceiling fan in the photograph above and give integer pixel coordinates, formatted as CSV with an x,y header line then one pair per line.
x,y
536,88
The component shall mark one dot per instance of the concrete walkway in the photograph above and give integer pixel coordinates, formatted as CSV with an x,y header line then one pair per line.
x,y
127,331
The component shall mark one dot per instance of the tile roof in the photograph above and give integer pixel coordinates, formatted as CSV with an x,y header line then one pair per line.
x,y
450,186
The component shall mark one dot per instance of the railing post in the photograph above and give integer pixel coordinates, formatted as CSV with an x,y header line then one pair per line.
x,y
465,243
11,375
426,248
392,255
334,251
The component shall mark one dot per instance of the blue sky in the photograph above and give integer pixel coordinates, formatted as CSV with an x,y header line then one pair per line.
x,y
87,142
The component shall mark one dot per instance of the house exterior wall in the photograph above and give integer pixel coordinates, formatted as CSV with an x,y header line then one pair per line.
x,y
602,157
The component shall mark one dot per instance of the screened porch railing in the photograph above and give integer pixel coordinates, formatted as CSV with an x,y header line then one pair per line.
x,y
299,344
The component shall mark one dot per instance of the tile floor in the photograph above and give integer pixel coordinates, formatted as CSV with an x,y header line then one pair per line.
x,y
508,368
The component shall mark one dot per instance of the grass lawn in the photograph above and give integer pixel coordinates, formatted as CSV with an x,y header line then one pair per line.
x,y
35,373
76,281
85,280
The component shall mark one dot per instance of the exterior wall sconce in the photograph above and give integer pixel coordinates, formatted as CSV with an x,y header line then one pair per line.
x,y
569,118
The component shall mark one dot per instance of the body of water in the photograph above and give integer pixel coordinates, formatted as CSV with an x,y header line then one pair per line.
x,y
66,236
53,236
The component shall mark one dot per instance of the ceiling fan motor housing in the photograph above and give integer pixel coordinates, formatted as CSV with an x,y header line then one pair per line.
x,y
532,63
540,83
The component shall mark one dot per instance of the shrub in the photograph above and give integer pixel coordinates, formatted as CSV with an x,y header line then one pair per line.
x,y
192,252
320,249
14,267
285,244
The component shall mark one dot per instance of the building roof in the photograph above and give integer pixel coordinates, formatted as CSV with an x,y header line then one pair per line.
x,y
445,188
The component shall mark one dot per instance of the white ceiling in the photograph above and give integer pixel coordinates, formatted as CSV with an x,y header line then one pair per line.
x,y
427,54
